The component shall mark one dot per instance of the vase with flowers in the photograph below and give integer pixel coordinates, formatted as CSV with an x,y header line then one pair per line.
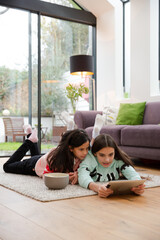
x,y
74,91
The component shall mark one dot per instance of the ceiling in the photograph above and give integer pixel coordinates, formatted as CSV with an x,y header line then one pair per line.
x,y
102,7
92,6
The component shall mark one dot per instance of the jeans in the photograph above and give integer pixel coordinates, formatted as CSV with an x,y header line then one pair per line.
x,y
26,166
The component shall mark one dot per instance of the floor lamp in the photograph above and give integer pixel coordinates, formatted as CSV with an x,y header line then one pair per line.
x,y
83,65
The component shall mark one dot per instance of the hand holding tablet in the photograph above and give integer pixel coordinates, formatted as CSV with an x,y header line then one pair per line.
x,y
124,186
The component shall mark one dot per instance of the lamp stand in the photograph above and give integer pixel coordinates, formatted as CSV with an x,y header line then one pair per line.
x,y
94,93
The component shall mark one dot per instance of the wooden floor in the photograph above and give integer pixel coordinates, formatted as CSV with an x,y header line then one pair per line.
x,y
125,217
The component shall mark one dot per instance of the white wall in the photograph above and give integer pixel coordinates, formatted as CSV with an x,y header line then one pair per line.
x,y
154,42
109,51
106,54
109,57
140,49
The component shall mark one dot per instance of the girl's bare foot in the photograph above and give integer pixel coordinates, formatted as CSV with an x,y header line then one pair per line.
x,y
27,128
33,137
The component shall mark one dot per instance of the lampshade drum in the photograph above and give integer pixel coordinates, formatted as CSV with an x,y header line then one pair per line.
x,y
81,65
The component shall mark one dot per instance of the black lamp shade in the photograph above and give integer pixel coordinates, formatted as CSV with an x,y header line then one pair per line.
x,y
81,65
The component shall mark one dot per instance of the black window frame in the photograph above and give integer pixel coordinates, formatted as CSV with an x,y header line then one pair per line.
x,y
124,47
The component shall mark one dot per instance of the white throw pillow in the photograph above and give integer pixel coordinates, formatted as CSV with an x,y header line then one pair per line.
x,y
110,114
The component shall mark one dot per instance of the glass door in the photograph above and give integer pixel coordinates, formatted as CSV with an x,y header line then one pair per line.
x,y
18,74
19,69
59,40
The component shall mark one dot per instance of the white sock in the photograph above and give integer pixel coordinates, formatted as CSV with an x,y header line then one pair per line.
x,y
99,121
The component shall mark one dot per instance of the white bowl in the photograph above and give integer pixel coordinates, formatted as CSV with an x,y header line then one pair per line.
x,y
56,180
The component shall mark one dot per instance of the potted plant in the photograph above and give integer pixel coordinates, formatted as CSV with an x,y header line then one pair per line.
x,y
74,91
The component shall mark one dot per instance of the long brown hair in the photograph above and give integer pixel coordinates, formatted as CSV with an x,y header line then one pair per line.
x,y
105,140
61,159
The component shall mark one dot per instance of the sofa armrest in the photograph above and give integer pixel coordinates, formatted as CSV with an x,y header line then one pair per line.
x,y
84,119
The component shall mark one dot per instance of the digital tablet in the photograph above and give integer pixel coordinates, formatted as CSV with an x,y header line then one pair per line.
x,y
124,186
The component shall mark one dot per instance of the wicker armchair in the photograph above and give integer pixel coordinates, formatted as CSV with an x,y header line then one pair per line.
x,y
14,127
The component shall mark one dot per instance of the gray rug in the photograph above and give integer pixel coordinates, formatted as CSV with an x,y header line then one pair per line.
x,y
35,188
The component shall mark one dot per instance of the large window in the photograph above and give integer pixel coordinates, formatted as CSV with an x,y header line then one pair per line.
x,y
18,72
60,40
34,65
67,3
14,61
154,48
127,50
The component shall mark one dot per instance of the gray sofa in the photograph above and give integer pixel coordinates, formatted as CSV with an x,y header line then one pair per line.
x,y
138,141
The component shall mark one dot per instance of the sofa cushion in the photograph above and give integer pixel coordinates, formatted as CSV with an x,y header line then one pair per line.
x,y
110,115
152,113
131,113
141,136
84,119
141,152
113,130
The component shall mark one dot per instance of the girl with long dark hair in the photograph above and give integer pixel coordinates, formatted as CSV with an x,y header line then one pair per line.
x,y
66,157
104,163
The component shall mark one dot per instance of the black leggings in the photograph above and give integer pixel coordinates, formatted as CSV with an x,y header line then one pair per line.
x,y
26,166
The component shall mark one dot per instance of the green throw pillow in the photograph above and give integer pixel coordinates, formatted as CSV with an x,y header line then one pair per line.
x,y
131,113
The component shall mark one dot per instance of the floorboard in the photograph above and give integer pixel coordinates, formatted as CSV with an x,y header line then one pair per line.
x,y
123,217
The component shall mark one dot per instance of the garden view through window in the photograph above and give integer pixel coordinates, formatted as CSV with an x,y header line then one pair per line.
x,y
19,69
67,3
